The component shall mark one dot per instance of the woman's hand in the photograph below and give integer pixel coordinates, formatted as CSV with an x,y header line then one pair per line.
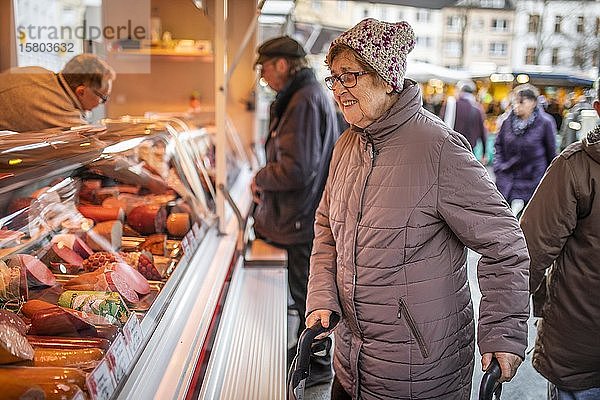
x,y
509,363
316,316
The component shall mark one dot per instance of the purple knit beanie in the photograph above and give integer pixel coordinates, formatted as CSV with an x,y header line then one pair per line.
x,y
383,45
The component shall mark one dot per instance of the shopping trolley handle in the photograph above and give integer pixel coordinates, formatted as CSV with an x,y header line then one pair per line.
x,y
490,382
305,346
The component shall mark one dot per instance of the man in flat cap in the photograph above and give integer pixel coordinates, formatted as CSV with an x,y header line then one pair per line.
x,y
302,131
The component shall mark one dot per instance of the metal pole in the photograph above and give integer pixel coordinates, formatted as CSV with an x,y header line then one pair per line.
x,y
220,104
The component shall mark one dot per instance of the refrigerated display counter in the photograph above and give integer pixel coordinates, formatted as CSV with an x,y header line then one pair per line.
x,y
116,278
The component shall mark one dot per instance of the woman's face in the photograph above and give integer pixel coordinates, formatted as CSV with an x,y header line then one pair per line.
x,y
523,106
364,103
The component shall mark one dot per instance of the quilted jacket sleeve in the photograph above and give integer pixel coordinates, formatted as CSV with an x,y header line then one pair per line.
x,y
298,147
550,218
322,287
477,214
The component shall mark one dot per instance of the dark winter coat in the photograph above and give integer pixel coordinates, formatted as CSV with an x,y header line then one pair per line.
x,y
403,198
562,228
521,160
303,129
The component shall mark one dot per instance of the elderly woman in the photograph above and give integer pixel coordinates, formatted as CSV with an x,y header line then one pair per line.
x,y
524,148
404,196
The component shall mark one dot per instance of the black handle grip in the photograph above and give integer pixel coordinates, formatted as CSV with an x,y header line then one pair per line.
x,y
302,361
489,382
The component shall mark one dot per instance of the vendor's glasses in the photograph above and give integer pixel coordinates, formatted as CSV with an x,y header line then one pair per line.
x,y
347,79
103,97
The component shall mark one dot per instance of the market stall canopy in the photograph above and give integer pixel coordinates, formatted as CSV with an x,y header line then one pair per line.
x,y
423,72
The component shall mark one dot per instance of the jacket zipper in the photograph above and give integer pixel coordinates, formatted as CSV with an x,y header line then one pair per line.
x,y
412,325
369,148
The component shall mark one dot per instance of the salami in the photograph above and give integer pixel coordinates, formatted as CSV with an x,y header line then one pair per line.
x,y
13,346
10,318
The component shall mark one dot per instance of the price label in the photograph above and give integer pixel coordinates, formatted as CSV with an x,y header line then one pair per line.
x,y
197,232
191,238
185,245
101,383
118,357
133,335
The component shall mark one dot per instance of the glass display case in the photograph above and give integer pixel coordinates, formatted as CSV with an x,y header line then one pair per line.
x,y
99,226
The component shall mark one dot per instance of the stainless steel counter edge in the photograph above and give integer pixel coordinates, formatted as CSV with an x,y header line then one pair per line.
x,y
165,367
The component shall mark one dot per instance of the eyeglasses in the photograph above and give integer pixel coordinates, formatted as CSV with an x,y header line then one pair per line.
x,y
103,97
347,79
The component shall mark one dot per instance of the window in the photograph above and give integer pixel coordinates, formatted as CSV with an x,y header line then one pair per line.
x,y
534,23
530,55
452,48
499,25
555,60
578,60
478,24
498,49
423,15
316,4
492,3
453,23
557,22
580,24
477,48
424,41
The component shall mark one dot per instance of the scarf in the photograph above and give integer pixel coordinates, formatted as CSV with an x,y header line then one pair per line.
x,y
520,126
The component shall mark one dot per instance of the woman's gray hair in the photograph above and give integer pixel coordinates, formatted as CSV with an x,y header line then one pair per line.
x,y
88,70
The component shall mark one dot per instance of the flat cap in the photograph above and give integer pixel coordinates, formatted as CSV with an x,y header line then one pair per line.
x,y
283,46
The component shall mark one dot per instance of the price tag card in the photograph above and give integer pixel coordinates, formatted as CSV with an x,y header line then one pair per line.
x,y
133,335
197,233
185,245
191,238
101,383
118,357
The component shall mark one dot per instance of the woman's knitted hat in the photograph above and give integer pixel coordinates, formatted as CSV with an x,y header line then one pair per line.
x,y
383,45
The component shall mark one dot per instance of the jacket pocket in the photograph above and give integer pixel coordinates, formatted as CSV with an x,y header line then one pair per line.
x,y
412,325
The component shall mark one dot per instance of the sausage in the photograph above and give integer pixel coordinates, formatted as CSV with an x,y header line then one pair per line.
x,y
100,214
105,236
59,322
37,375
13,319
60,342
134,279
58,357
117,283
60,253
37,272
13,346
148,219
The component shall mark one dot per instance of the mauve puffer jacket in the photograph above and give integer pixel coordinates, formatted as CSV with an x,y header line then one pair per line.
x,y
403,199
